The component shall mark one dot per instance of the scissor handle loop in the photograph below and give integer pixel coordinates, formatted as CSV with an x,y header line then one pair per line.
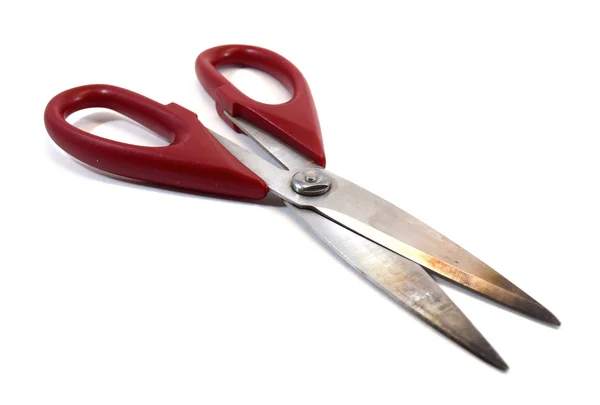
x,y
295,121
194,160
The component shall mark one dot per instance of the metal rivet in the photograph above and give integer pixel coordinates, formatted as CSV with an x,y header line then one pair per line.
x,y
311,182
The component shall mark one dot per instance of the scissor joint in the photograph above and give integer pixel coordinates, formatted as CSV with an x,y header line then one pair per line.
x,y
311,182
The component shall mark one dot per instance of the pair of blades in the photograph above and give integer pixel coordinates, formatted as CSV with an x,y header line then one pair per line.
x,y
387,246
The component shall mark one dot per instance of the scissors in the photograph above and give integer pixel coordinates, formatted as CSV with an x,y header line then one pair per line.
x,y
390,248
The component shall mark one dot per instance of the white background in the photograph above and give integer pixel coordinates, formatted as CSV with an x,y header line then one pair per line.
x,y
481,120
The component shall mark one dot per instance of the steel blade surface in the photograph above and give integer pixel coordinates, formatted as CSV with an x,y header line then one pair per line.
x,y
279,150
404,281
380,221
451,262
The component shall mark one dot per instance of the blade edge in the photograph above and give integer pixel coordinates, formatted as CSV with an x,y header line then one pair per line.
x,y
367,207
521,303
405,282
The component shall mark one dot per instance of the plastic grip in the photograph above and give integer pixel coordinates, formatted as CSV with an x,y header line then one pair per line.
x,y
295,121
194,160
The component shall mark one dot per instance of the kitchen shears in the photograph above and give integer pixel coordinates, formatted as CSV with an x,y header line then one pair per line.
x,y
390,248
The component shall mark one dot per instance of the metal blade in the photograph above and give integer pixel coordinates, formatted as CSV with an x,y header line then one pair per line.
x,y
380,221
279,150
417,241
404,281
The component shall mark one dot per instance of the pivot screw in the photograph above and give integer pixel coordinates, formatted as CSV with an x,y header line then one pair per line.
x,y
311,182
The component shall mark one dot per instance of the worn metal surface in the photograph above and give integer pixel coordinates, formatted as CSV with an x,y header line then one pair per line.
x,y
376,238
402,280
382,222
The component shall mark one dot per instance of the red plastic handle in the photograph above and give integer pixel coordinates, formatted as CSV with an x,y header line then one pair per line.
x,y
194,160
295,121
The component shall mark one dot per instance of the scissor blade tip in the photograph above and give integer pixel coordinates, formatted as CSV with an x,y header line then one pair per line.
x,y
491,357
554,320
481,348
500,364
546,316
